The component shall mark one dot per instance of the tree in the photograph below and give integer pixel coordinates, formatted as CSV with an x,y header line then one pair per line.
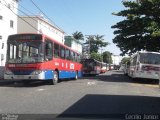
x,y
96,56
96,42
125,59
140,30
107,57
78,35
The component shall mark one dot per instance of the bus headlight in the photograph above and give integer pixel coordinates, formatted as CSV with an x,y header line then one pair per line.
x,y
8,72
36,72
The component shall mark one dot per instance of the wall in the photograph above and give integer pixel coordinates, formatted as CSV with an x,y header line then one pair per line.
x,y
71,42
7,16
50,31
27,25
116,59
38,24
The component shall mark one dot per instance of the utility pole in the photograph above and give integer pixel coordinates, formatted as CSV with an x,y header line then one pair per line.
x,y
89,45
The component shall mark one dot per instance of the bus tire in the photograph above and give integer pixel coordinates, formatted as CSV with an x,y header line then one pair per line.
x,y
55,78
76,76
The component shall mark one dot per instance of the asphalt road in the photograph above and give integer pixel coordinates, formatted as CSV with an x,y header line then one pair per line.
x,y
111,94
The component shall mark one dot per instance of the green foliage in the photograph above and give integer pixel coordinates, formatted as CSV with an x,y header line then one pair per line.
x,y
107,57
96,56
78,35
125,59
140,30
96,42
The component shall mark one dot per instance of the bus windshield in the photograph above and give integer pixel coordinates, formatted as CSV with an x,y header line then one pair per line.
x,y
149,58
25,52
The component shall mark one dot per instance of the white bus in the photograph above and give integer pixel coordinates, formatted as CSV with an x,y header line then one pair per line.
x,y
145,65
103,67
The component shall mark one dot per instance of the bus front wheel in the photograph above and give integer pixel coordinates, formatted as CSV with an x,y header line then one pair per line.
x,y
76,76
55,78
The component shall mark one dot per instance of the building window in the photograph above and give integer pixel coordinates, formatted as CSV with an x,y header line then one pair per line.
x,y
11,23
1,17
2,45
2,57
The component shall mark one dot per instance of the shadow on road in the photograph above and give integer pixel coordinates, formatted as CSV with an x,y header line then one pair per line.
x,y
5,83
118,76
112,106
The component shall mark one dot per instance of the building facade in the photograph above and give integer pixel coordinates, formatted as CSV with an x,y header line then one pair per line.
x,y
8,23
8,26
73,43
38,24
116,59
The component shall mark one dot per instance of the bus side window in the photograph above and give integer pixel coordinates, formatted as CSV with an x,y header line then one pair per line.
x,y
62,50
135,60
56,50
78,58
48,50
72,55
67,53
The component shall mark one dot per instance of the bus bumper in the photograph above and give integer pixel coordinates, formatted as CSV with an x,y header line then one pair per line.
x,y
148,75
24,77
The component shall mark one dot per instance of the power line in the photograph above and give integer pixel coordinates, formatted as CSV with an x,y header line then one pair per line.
x,y
44,13
33,18
26,9
18,15
28,17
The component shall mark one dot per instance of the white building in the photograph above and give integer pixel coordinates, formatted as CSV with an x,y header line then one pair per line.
x,y
8,25
116,59
73,43
38,24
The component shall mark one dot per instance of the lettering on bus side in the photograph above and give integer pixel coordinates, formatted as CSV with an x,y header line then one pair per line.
x,y
56,63
72,66
62,64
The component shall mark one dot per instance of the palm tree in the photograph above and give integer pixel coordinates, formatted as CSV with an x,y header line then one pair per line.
x,y
78,35
100,41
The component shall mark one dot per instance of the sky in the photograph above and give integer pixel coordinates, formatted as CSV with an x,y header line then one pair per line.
x,y
91,17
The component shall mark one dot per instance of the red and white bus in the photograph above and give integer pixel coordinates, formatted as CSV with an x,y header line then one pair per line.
x,y
91,67
145,65
103,67
38,57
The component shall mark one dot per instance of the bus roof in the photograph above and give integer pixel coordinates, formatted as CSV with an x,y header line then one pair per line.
x,y
43,35
144,52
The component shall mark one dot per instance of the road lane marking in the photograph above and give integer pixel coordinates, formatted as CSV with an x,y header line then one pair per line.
x,y
91,83
146,85
40,89
154,86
